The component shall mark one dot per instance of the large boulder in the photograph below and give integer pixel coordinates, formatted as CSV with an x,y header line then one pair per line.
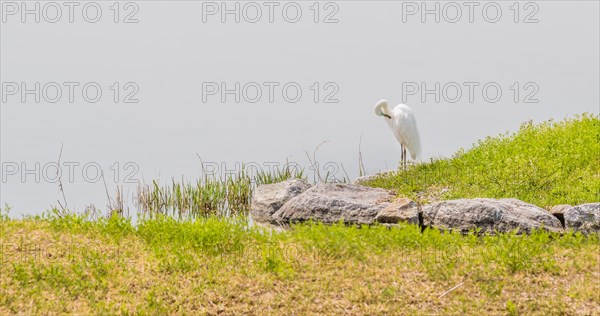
x,y
584,218
268,198
489,215
330,203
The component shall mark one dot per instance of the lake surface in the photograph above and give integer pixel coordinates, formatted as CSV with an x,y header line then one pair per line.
x,y
139,90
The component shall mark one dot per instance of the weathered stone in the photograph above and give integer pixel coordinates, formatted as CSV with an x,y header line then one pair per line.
x,y
330,203
489,215
401,210
584,218
560,209
559,212
268,198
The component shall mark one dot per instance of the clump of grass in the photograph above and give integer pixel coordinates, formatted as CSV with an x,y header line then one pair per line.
x,y
209,196
544,164
182,200
279,175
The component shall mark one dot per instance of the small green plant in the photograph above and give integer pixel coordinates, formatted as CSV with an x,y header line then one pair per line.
x,y
511,308
4,212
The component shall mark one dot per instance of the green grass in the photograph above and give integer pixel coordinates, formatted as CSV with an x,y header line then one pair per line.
x,y
544,164
213,265
208,196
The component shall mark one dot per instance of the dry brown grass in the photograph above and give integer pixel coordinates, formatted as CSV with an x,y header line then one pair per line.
x,y
90,271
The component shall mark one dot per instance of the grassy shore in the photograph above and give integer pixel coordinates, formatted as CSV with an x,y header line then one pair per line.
x,y
58,265
184,257
545,164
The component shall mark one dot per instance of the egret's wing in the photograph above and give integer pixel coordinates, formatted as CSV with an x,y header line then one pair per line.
x,y
404,127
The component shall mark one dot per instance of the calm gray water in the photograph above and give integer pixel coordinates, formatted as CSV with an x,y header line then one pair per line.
x,y
182,79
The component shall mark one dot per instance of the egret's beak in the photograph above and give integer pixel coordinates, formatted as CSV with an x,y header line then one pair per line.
x,y
387,116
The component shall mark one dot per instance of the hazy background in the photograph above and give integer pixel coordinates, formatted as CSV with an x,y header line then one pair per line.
x,y
367,54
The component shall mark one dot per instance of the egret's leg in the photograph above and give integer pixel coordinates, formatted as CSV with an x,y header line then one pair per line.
x,y
402,156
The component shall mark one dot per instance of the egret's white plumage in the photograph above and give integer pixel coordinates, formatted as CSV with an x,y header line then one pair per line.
x,y
403,124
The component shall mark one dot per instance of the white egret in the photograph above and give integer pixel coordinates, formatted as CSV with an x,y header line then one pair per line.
x,y
403,124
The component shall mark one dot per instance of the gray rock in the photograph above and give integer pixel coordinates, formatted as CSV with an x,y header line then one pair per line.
x,y
268,198
489,215
584,218
401,210
330,203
